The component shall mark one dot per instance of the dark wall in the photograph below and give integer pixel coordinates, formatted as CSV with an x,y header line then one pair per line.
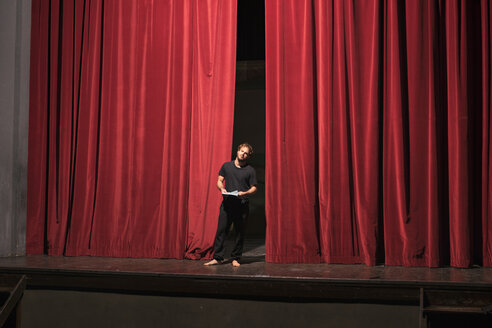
x,y
48,308
250,30
15,24
249,111
249,126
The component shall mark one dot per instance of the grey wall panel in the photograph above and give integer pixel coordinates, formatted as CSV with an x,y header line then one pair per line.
x,y
15,25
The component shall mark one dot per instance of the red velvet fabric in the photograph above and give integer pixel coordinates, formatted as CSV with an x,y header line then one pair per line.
x,y
378,142
486,172
131,113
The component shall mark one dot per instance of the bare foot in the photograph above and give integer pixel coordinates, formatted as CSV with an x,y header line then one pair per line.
x,y
213,262
235,263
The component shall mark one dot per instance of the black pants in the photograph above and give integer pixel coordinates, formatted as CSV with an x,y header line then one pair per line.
x,y
232,210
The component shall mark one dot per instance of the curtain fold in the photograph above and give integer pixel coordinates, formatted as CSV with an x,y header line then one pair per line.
x,y
212,120
347,66
391,141
486,170
290,173
128,101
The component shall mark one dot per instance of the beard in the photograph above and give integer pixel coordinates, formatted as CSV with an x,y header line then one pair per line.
x,y
242,161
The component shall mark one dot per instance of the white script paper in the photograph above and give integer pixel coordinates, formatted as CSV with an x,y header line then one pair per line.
x,y
231,193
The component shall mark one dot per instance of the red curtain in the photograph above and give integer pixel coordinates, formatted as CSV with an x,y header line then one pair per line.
x,y
486,141
131,113
378,139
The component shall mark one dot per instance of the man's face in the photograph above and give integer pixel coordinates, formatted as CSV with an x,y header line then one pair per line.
x,y
243,154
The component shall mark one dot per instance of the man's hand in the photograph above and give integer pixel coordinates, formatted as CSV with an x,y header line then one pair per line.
x,y
251,191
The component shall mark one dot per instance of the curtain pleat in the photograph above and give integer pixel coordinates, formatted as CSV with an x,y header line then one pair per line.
x,y
486,151
291,174
130,103
376,148
400,167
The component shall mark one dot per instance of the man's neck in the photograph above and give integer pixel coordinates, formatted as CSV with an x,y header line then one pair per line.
x,y
239,163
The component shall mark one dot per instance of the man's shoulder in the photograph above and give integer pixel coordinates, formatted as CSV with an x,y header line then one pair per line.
x,y
228,164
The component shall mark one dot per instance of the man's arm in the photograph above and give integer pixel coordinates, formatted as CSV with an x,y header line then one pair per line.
x,y
220,184
248,192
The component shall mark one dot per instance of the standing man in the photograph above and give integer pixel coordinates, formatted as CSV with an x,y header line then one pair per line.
x,y
234,176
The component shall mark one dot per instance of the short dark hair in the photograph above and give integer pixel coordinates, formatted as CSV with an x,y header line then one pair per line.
x,y
247,145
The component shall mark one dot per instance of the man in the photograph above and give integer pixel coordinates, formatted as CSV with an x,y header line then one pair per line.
x,y
239,177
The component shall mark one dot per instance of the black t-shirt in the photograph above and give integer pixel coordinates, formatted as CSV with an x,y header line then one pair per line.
x,y
240,179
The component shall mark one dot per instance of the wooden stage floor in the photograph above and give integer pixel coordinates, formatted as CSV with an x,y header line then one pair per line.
x,y
435,290
445,296
251,268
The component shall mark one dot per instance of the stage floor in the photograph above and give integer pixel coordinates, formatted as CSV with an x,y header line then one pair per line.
x,y
438,292
253,268
434,289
